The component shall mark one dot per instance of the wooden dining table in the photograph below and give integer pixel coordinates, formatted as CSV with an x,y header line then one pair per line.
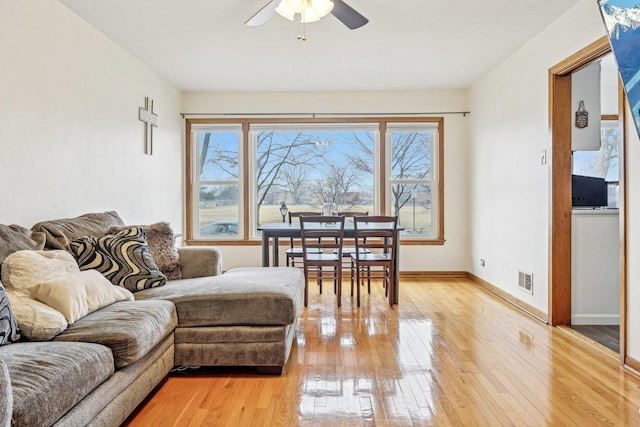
x,y
273,231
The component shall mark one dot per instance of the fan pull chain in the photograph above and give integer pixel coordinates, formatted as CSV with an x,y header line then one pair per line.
x,y
302,36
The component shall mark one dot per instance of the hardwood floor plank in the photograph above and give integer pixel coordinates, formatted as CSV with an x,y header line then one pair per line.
x,y
450,354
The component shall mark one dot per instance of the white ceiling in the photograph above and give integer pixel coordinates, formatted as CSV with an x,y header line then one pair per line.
x,y
203,45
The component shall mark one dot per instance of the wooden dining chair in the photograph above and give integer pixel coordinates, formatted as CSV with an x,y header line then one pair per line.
x,y
321,248
295,245
349,216
375,255
348,246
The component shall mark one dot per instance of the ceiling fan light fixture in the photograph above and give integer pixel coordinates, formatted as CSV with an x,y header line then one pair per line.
x,y
309,10
309,15
297,6
284,11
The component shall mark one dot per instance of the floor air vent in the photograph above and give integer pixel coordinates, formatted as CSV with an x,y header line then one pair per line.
x,y
525,281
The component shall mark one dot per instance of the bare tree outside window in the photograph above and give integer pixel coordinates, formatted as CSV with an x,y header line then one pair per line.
x,y
410,160
295,183
218,179
305,169
606,162
218,157
411,175
282,160
412,178
336,187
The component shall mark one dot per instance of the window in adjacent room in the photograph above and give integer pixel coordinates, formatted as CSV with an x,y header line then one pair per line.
x,y
604,162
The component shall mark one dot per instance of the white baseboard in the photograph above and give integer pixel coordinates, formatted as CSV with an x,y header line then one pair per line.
x,y
595,319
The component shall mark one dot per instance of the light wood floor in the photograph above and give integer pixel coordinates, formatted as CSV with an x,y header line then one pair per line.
x,y
449,354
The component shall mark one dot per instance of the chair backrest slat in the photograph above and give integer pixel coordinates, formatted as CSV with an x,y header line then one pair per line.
x,y
323,232
350,215
298,215
376,232
293,242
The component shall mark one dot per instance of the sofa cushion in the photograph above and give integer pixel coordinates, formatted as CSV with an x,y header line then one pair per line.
x,y
162,245
129,328
123,258
200,261
231,334
14,238
60,232
6,396
8,324
77,294
48,379
243,296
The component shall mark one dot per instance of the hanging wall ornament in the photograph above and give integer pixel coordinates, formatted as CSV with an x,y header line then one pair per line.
x,y
582,116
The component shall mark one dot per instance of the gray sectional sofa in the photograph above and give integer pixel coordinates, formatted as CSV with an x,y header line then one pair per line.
x,y
98,370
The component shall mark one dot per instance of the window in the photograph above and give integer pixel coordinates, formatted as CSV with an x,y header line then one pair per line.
x,y
241,172
604,162
306,166
413,185
217,181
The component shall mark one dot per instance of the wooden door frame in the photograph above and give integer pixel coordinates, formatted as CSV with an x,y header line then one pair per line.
x,y
560,123
560,110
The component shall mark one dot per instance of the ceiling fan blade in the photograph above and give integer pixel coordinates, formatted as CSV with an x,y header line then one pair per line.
x,y
263,14
348,15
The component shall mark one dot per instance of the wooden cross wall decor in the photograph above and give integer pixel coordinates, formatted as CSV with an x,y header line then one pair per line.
x,y
150,120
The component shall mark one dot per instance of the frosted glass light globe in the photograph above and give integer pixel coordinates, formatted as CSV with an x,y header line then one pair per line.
x,y
297,6
284,11
309,15
309,10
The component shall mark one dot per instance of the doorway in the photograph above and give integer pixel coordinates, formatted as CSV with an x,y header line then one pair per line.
x,y
561,113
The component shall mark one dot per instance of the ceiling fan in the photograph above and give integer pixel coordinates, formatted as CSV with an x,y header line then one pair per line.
x,y
308,11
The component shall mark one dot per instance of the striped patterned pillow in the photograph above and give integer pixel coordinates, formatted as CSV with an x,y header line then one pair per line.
x,y
162,246
8,325
123,258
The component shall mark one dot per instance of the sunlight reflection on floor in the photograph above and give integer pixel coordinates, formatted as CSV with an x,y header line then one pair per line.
x,y
398,365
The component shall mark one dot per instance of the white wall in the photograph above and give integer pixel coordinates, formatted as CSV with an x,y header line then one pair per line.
x,y
633,241
508,185
452,256
70,139
595,267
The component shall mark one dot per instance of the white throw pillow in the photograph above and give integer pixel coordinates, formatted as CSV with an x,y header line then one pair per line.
x,y
24,269
54,277
36,321
77,294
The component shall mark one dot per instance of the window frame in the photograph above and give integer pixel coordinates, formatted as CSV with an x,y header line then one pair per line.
x,y
432,180
382,177
255,128
198,182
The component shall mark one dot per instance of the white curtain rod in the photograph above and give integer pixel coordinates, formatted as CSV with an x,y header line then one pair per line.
x,y
314,115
